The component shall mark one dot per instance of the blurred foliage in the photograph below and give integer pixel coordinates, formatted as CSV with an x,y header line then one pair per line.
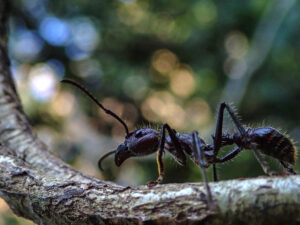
x,y
150,62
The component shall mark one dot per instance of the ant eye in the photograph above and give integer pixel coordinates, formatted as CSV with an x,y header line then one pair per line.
x,y
138,133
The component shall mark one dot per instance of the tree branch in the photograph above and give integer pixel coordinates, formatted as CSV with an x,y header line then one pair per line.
x,y
39,186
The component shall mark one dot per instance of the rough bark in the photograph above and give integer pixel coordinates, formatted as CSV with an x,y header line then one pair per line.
x,y
39,186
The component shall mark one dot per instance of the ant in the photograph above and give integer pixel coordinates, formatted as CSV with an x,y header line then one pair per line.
x,y
146,141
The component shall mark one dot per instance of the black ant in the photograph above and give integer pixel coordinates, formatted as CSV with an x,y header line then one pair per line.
x,y
145,141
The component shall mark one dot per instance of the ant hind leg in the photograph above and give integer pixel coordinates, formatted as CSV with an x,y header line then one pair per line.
x,y
287,167
243,133
261,161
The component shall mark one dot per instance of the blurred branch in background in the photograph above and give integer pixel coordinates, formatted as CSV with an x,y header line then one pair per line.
x,y
261,44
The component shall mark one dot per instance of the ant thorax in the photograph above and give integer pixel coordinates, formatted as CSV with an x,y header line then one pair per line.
x,y
186,144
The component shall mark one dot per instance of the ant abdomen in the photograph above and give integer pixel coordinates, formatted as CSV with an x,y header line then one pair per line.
x,y
272,142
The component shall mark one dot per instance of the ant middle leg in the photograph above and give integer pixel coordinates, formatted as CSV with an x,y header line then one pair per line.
x,y
218,133
160,152
199,156
230,155
218,138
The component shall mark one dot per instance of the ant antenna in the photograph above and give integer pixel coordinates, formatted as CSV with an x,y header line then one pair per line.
x,y
104,157
107,111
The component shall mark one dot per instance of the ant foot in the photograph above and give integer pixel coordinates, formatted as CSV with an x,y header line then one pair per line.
x,y
279,174
158,181
272,173
286,173
290,171
152,183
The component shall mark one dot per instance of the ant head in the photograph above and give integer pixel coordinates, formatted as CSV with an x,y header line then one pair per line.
x,y
138,143
122,153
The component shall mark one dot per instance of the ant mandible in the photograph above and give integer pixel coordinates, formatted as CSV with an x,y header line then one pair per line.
x,y
146,141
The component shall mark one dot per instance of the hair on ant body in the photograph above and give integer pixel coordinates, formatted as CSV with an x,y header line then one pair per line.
x,y
145,141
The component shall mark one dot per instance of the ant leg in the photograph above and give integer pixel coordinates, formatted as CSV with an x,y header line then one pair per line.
x,y
200,160
287,167
230,155
235,120
218,137
261,161
241,129
160,152
178,154
160,167
159,160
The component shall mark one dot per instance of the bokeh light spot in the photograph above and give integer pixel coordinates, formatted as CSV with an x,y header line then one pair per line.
x,y
84,34
130,13
163,26
198,113
42,82
161,106
205,13
62,104
55,31
182,82
164,61
26,45
236,44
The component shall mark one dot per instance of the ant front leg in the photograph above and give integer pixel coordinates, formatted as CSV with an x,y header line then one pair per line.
x,y
199,156
160,152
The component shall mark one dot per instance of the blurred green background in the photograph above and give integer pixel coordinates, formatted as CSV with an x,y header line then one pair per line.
x,y
153,62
